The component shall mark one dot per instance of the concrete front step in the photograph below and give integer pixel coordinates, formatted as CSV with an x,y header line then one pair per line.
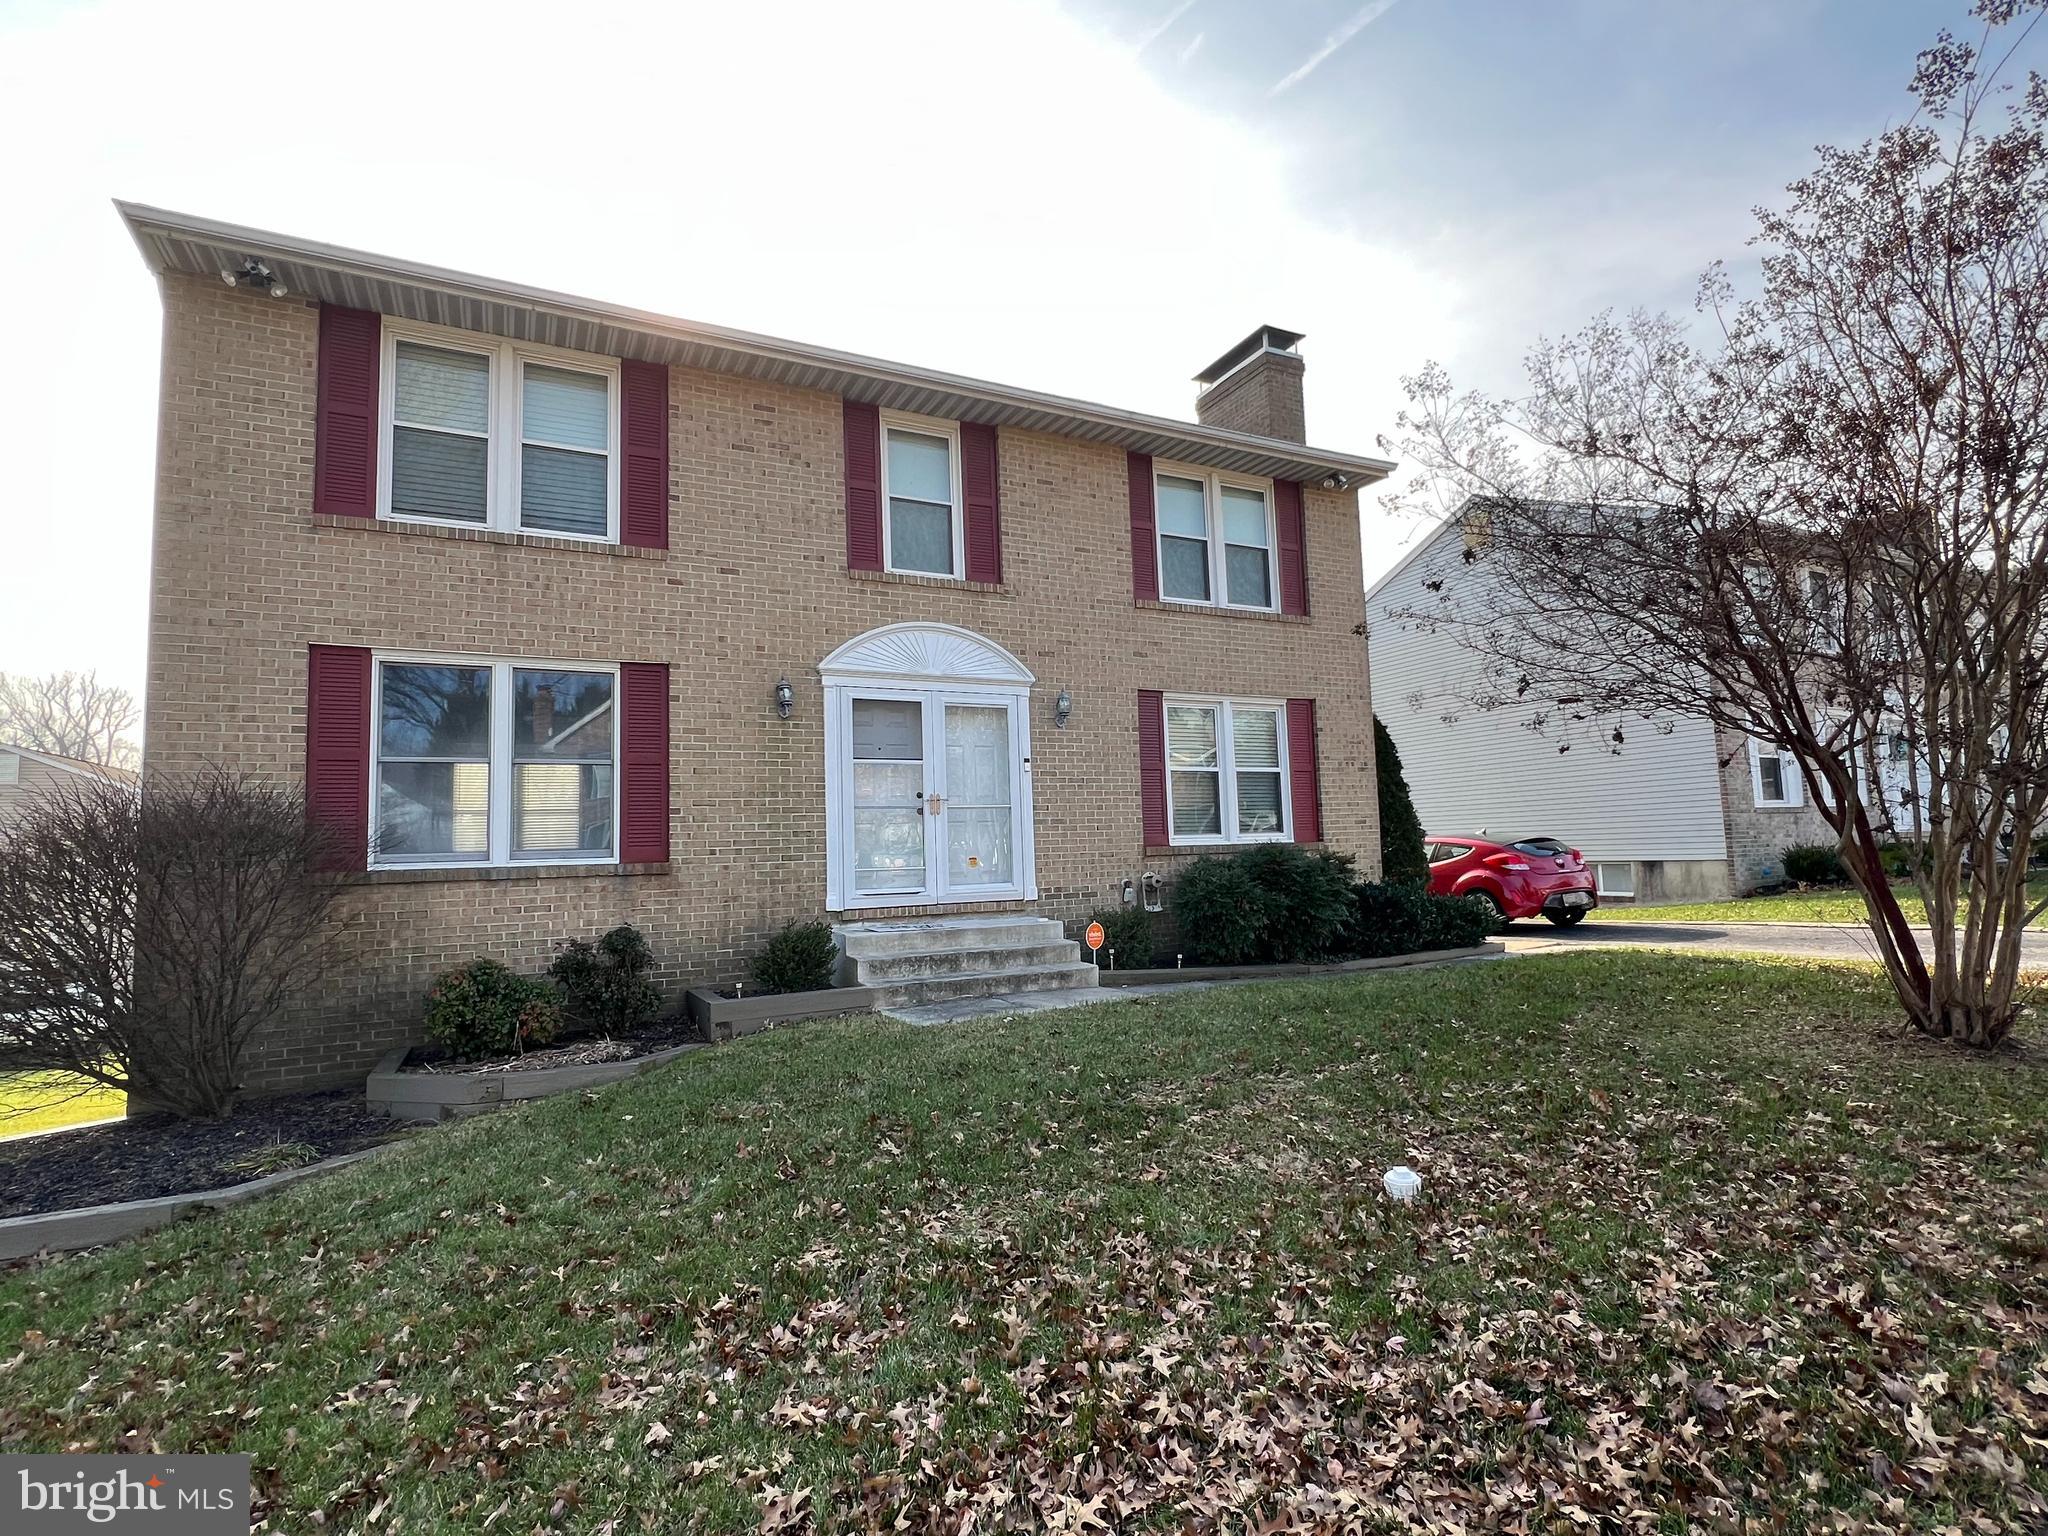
x,y
914,961
923,936
884,970
944,989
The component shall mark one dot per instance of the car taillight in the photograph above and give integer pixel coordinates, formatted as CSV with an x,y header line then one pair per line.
x,y
1577,855
1509,862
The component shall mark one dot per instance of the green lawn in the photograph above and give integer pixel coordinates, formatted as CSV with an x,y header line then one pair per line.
x,y
49,1101
1703,1244
1843,906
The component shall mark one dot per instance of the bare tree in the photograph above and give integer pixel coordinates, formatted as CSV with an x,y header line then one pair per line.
x,y
71,714
1824,525
144,939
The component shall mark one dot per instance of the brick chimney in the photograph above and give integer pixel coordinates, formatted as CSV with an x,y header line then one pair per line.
x,y
1255,387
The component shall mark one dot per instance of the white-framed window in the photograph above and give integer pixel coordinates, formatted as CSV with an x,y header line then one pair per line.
x,y
1226,771
486,433
921,504
10,768
1615,879
1216,538
1774,777
492,761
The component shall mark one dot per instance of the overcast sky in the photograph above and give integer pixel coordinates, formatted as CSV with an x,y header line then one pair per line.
x,y
1094,198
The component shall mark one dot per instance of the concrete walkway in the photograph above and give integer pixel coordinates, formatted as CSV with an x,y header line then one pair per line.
x,y
1012,1003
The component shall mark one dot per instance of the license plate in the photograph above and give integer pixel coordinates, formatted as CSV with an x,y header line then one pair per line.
x,y
1578,899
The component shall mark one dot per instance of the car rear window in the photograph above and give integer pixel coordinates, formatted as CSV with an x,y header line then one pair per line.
x,y
1542,847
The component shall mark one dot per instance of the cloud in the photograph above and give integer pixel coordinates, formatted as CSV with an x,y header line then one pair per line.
x,y
1162,28
1364,17
1194,43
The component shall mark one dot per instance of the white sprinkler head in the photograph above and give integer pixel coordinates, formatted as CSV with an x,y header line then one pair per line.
x,y
1401,1182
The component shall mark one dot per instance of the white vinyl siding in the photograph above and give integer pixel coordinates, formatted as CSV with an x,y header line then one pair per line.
x,y
1659,798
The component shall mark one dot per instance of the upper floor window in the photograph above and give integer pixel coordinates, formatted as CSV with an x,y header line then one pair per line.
x,y
1215,539
498,434
921,531
493,762
1226,778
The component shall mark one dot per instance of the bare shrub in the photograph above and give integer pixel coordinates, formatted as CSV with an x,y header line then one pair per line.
x,y
145,937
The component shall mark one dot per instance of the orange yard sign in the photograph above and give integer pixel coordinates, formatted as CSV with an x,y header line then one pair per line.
x,y
1095,935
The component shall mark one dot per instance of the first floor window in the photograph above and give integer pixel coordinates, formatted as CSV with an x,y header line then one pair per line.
x,y
1774,775
1226,771
493,762
921,490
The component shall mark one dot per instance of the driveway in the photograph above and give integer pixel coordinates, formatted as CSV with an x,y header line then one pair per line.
x,y
1829,941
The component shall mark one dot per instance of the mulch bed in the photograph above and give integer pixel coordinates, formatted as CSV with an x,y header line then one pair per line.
x,y
148,1156
656,1035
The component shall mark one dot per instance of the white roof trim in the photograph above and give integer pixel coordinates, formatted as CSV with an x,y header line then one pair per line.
x,y
177,242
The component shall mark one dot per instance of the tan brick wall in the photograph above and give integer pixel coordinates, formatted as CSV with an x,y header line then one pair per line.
x,y
1264,396
1759,835
753,587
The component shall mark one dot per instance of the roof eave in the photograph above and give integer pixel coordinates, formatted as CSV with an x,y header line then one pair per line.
x,y
178,242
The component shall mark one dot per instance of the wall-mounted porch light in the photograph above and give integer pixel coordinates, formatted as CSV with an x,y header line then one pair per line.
x,y
785,698
1062,707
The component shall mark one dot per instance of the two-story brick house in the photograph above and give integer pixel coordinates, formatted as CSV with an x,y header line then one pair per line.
x,y
572,615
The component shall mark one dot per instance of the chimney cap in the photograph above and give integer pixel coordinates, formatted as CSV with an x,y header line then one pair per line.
x,y
1267,338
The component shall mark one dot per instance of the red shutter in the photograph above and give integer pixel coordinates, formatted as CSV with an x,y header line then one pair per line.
x,y
643,451
1288,521
981,513
643,766
1152,758
1303,780
1144,540
345,418
863,487
338,750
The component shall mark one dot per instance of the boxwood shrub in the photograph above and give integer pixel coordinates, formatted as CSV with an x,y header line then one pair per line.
x,y
1273,902
1815,864
605,987
1128,931
801,958
485,1009
1404,919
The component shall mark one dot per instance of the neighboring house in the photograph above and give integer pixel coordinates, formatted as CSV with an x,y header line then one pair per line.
x,y
25,774
573,615
1683,810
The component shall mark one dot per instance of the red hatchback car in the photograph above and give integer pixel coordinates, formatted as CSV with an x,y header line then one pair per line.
x,y
1521,879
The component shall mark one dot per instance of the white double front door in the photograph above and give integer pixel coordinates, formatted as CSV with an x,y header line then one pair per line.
x,y
932,797
928,781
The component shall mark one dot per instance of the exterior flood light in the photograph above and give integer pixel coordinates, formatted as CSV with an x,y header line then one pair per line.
x,y
785,698
254,274
1062,707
